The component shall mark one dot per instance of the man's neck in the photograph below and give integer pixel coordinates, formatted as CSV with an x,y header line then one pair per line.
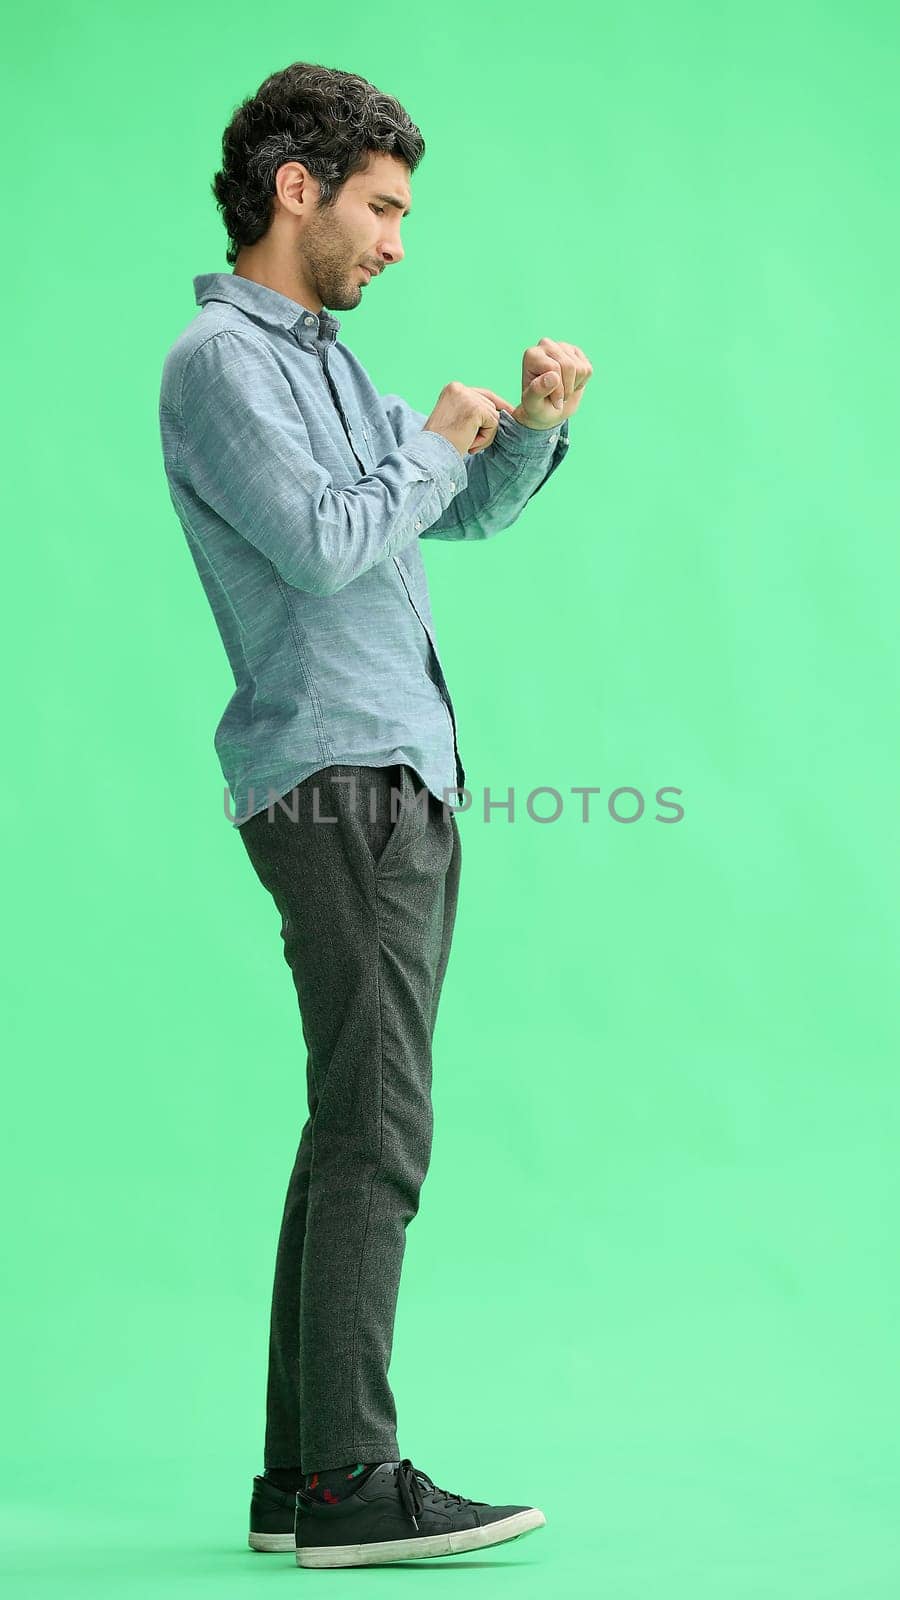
x,y
272,276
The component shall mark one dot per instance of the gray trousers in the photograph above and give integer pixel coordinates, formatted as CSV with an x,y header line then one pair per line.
x,y
367,905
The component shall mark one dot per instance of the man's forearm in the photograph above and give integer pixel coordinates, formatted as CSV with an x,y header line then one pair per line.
x,y
501,480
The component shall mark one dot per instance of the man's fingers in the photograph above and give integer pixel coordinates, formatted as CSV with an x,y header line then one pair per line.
x,y
571,369
549,385
564,356
496,399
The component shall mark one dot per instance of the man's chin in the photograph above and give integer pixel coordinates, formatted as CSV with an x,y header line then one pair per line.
x,y
347,300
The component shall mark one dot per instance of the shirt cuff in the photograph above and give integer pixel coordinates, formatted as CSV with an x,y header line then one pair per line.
x,y
514,437
432,451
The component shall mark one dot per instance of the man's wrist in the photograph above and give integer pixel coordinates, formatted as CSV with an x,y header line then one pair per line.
x,y
518,415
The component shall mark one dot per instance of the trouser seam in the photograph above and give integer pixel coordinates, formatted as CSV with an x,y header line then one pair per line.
x,y
362,1251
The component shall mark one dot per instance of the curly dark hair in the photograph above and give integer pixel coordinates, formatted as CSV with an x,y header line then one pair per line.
x,y
328,119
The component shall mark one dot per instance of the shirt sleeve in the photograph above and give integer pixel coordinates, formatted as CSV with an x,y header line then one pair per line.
x,y
500,479
245,451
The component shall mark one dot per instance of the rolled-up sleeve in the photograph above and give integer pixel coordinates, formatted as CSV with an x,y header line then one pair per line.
x,y
500,480
245,452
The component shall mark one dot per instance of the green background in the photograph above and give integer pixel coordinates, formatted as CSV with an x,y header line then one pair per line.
x,y
653,1285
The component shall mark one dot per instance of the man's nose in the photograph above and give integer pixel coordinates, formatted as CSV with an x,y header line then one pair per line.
x,y
391,252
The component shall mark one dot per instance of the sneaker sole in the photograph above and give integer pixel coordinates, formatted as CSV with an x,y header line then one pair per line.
x,y
272,1541
435,1544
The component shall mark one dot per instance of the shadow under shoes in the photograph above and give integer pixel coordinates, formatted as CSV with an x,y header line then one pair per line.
x,y
399,1514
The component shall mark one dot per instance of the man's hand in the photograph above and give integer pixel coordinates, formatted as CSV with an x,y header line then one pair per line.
x,y
466,416
554,376
553,380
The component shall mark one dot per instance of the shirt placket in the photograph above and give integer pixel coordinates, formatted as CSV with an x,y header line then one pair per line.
x,y
440,681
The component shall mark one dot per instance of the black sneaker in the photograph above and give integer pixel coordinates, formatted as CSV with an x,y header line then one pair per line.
x,y
399,1514
271,1516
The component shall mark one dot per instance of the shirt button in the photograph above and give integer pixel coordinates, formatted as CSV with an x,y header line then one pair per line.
x,y
309,321
418,524
453,483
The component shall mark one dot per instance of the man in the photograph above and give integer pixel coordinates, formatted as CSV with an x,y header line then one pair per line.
x,y
303,493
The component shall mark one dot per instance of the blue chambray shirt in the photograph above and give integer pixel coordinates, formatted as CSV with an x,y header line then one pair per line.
x,y
303,493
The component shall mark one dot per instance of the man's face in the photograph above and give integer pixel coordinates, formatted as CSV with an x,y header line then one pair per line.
x,y
361,229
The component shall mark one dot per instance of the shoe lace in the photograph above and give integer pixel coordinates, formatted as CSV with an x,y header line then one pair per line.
x,y
413,1483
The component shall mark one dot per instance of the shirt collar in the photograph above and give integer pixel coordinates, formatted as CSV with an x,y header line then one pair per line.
x,y
267,305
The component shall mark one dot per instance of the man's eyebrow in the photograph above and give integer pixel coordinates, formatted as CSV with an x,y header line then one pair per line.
x,y
391,200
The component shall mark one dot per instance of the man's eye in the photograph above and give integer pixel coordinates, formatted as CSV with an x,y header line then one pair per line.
x,y
379,210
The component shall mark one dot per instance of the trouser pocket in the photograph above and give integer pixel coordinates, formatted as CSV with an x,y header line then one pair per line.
x,y
382,802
